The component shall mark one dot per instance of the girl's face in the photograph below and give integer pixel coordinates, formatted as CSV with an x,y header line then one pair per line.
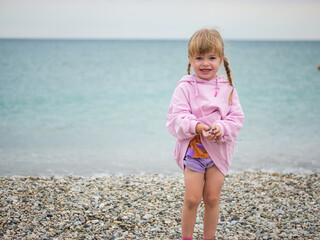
x,y
206,66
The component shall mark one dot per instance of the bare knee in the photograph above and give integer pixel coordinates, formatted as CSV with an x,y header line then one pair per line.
x,y
192,202
211,200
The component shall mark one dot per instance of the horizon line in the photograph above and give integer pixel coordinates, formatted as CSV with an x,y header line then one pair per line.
x,y
154,39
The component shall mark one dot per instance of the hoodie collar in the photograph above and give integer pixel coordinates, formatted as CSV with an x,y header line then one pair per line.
x,y
214,81
218,79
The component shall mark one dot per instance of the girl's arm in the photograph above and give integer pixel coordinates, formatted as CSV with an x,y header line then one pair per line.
x,y
181,123
233,122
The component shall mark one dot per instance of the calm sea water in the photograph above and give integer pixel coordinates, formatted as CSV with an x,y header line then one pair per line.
x,y
97,108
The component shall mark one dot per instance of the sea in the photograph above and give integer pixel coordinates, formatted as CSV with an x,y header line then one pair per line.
x,y
98,107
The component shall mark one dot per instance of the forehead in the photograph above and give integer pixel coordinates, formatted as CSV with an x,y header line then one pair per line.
x,y
210,53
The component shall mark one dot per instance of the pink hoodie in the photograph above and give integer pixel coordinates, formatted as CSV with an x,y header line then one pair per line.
x,y
200,101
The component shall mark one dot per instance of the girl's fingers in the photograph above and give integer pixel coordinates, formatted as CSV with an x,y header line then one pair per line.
x,y
206,135
218,134
206,128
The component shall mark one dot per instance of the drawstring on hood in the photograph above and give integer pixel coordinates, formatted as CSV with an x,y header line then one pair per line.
x,y
218,88
195,84
196,87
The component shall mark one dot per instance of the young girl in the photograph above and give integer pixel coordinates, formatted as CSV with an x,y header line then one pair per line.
x,y
205,116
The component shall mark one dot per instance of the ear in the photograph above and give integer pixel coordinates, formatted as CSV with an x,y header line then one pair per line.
x,y
190,60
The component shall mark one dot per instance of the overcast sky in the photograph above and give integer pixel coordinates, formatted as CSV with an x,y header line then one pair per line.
x,y
164,19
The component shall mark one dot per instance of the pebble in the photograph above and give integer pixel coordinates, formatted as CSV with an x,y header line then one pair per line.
x,y
254,205
82,219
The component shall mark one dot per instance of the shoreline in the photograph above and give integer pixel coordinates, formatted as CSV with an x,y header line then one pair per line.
x,y
254,205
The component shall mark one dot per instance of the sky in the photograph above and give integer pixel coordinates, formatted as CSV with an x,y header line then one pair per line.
x,y
160,19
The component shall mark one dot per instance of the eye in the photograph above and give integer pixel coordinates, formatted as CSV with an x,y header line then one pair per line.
x,y
213,58
198,58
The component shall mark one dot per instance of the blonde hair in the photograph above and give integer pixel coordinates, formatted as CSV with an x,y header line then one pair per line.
x,y
205,41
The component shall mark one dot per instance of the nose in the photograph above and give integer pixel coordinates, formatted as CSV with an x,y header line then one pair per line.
x,y
205,62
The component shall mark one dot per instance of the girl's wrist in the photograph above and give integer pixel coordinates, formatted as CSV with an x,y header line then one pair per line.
x,y
199,128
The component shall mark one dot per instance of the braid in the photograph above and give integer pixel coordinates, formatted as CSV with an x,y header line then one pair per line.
x,y
189,67
228,71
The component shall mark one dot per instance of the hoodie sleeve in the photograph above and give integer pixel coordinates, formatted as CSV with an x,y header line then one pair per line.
x,y
233,122
181,123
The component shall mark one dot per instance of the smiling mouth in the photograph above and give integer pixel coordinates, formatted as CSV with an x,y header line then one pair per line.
x,y
205,70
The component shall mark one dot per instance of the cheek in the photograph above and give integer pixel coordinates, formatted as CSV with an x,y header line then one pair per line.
x,y
196,64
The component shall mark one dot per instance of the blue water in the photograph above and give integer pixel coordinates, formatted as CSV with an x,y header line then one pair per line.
x,y
98,107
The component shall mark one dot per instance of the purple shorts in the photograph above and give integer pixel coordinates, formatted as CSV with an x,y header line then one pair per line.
x,y
198,164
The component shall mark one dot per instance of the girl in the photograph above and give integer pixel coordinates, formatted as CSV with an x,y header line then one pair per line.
x,y
205,116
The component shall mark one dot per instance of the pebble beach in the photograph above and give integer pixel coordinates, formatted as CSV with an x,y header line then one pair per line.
x,y
254,205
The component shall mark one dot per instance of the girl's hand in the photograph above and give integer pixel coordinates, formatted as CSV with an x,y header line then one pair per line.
x,y
215,135
201,128
217,132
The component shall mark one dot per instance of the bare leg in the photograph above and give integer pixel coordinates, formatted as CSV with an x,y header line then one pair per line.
x,y
192,198
211,196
